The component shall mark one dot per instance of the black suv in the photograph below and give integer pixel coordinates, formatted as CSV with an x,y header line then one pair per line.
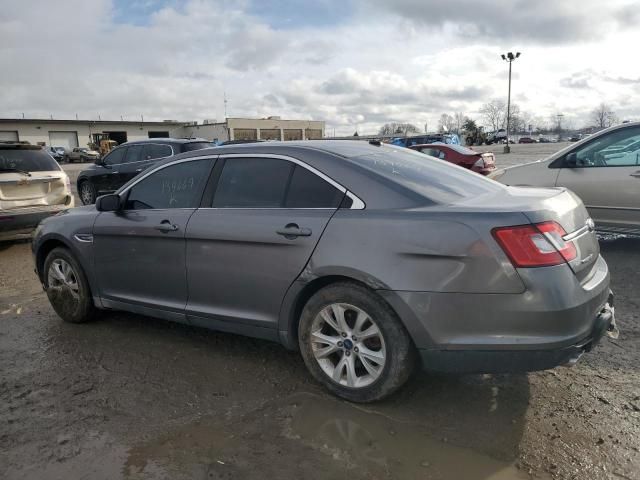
x,y
126,161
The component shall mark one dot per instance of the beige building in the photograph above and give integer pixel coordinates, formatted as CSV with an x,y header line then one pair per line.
x,y
78,133
271,128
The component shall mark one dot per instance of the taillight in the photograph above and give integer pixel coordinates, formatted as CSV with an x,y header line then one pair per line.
x,y
537,245
480,163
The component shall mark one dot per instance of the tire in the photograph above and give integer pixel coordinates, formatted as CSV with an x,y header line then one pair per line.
x,y
67,287
87,193
334,359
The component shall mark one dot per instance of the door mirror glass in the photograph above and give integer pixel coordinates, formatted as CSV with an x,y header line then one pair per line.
x,y
571,160
108,203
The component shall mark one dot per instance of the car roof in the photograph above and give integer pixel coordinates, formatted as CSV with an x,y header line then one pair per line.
x,y
166,140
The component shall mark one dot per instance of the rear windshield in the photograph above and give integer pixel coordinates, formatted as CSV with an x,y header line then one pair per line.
x,y
28,160
436,180
188,147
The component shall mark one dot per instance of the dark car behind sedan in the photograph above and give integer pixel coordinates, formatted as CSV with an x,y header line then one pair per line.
x,y
126,161
365,257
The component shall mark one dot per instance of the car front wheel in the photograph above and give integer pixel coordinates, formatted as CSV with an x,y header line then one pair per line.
x,y
87,193
67,287
354,343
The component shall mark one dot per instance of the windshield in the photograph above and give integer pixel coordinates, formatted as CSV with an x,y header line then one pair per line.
x,y
28,160
435,180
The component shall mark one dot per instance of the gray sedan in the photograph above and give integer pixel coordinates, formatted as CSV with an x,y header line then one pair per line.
x,y
367,258
602,169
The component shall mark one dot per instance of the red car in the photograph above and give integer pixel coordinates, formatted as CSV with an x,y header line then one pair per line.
x,y
526,140
482,163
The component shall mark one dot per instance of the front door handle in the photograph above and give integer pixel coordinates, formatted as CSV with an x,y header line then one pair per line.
x,y
292,231
635,174
138,170
166,226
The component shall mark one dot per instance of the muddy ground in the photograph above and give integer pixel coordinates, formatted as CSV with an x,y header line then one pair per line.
x,y
137,398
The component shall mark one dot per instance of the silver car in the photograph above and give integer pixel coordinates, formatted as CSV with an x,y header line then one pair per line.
x,y
365,257
602,169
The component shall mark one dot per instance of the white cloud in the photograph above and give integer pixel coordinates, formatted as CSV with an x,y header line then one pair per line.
x,y
404,64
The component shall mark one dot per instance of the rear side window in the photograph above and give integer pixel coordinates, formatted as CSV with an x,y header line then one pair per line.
x,y
175,186
134,153
155,150
308,190
252,183
188,147
27,160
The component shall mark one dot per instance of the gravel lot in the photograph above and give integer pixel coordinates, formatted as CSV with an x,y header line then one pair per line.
x,y
137,398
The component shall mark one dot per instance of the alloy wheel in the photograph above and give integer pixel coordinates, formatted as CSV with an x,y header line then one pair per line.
x,y
62,279
348,345
86,193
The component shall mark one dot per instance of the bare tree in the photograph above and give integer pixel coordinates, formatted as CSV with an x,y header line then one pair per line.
x,y
395,128
459,119
494,114
446,123
602,116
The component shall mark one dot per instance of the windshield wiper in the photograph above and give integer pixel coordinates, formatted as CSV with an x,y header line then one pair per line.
x,y
17,170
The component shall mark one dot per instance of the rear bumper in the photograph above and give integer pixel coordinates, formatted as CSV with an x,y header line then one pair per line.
x,y
552,322
20,223
514,361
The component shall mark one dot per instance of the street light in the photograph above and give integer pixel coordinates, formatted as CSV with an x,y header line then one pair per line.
x,y
509,57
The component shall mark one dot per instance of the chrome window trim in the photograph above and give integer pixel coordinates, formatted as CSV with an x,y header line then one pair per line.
x,y
84,237
357,203
173,153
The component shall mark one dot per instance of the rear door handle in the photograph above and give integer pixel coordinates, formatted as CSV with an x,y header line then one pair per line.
x,y
166,226
292,231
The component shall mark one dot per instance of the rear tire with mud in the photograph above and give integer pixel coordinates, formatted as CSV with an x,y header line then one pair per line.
x,y
354,343
67,287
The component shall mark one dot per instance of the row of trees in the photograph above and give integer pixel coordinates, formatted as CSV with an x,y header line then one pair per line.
x,y
494,117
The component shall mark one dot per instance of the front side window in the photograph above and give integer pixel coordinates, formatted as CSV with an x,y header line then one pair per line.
x,y
620,148
176,186
115,157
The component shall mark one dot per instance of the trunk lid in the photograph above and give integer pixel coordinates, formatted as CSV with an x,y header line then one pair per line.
x,y
40,189
551,204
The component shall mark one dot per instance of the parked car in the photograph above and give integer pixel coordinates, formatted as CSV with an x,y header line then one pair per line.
x,y
526,140
543,140
499,136
55,153
603,169
81,154
365,257
32,187
126,161
483,163
446,138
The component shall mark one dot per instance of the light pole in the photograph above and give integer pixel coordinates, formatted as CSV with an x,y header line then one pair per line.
x,y
509,57
559,117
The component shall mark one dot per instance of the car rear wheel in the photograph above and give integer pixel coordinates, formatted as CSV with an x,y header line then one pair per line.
x,y
67,287
354,344
87,193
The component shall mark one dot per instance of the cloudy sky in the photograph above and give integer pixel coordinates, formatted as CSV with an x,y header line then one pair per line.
x,y
354,63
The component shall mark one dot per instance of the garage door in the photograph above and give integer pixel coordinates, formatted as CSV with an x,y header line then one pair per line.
x,y
67,140
8,136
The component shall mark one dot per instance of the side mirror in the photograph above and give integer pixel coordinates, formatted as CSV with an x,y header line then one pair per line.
x,y
571,160
108,203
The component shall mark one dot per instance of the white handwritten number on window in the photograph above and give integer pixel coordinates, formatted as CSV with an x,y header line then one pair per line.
x,y
172,187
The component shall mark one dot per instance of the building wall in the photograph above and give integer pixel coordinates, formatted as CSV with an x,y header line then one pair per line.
x,y
217,132
36,132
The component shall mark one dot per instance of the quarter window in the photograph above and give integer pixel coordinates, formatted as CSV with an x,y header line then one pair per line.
x,y
176,186
308,190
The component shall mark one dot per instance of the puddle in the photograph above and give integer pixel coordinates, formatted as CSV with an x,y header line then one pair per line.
x,y
364,440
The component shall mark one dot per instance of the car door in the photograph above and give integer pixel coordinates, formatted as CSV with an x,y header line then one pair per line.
x,y
103,179
605,174
139,252
247,246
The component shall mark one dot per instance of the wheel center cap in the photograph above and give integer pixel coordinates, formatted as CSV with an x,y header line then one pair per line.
x,y
348,344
